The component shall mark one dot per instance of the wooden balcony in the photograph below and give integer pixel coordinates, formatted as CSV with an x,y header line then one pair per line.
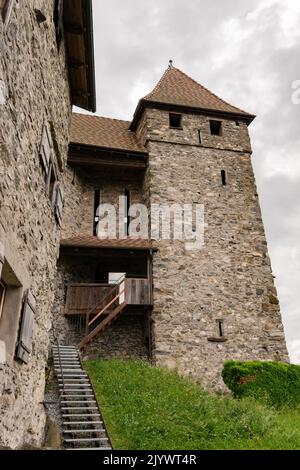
x,y
83,299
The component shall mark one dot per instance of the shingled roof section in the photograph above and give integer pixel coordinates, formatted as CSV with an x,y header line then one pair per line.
x,y
103,132
178,89
95,242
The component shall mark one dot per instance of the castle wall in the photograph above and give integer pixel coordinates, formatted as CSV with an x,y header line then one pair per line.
x,y
33,88
80,189
230,278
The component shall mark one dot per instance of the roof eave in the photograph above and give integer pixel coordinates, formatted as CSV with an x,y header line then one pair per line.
x,y
142,104
80,52
98,148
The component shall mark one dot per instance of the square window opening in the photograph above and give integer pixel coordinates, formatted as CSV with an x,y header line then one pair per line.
x,y
215,127
175,121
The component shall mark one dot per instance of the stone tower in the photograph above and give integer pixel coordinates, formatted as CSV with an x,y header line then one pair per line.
x,y
220,302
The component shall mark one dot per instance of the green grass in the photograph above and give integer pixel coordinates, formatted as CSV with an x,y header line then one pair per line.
x,y
146,407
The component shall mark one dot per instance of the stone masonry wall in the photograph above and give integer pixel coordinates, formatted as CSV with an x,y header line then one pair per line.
x,y
33,88
79,206
230,279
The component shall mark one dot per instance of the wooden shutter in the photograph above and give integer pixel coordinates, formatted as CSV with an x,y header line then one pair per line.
x,y
5,10
26,329
58,19
1,257
59,202
46,149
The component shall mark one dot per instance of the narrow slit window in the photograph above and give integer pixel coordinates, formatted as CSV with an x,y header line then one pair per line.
x,y
126,210
199,137
215,127
96,205
175,121
221,328
223,177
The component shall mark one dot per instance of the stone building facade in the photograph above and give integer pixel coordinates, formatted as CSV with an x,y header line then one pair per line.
x,y
183,146
37,90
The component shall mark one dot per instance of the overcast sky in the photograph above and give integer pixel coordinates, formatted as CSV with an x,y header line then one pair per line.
x,y
247,52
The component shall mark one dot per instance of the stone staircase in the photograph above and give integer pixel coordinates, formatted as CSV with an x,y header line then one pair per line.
x,y
82,423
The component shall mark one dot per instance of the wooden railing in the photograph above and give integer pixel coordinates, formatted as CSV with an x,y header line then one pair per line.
x,y
81,298
137,291
88,299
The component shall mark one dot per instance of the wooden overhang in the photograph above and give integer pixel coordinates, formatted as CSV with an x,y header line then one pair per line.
x,y
108,160
92,246
78,31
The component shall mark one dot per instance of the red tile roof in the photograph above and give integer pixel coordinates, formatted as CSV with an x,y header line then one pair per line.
x,y
94,242
103,132
175,87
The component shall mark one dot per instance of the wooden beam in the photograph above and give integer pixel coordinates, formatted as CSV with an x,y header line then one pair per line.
x,y
74,28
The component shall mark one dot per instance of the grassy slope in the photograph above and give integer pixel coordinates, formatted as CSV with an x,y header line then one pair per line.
x,y
148,408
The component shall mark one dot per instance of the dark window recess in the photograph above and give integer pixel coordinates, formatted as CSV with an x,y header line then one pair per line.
x,y
5,10
223,177
175,121
215,127
58,201
100,275
237,123
221,328
199,137
126,211
58,20
26,329
96,205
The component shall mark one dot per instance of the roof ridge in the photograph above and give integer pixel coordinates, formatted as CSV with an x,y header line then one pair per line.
x,y
209,91
169,70
158,83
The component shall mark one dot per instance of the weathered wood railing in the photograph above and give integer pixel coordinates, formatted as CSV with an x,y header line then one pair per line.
x,y
82,299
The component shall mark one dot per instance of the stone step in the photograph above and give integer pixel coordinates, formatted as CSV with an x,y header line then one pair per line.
x,y
83,415
89,448
78,431
64,402
90,395
72,423
73,380
72,376
72,408
75,390
86,439
70,385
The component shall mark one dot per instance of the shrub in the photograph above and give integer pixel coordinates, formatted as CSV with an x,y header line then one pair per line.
x,y
277,383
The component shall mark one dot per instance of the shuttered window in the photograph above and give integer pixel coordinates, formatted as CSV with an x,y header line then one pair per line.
x,y
2,295
46,148
5,10
59,202
58,20
26,328
1,257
